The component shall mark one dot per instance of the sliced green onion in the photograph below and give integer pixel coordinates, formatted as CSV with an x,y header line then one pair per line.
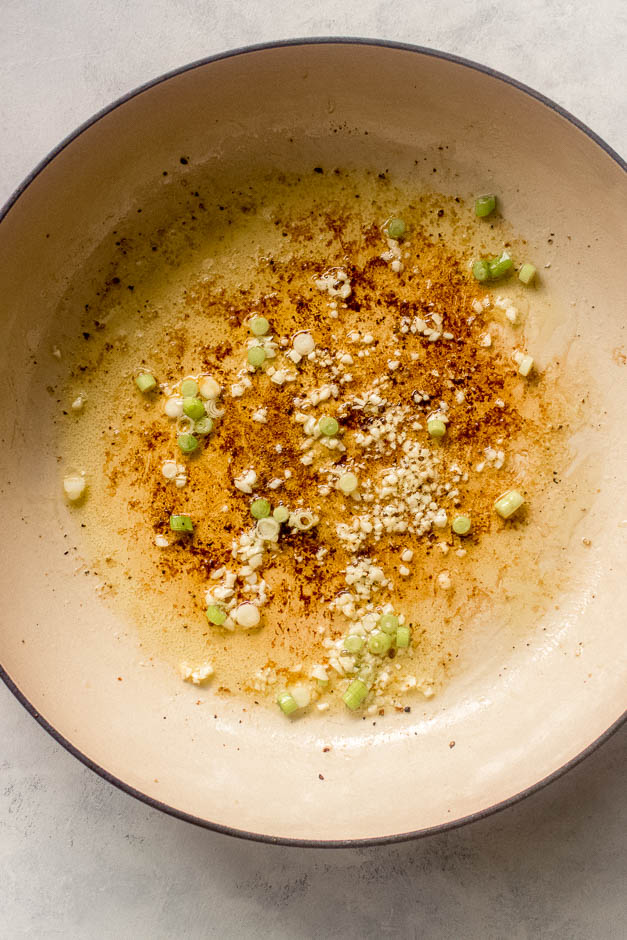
x,y
403,636
189,388
353,643
322,684
462,525
145,382
396,229
260,508
527,273
485,205
507,504
286,703
216,615
481,271
355,694
187,442
256,356
193,408
203,425
328,426
388,623
259,326
379,643
268,529
281,514
179,523
436,427
303,520
208,387
499,267
348,483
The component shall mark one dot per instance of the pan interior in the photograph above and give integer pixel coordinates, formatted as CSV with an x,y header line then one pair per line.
x,y
515,711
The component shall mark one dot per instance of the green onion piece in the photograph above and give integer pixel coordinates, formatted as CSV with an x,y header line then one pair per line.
x,y
436,427
281,514
189,388
322,684
484,205
499,267
403,636
379,643
527,273
193,408
396,229
328,426
355,694
461,525
286,703
216,615
388,623
481,271
203,425
259,326
256,356
353,643
348,483
268,529
180,523
146,382
187,442
260,508
507,504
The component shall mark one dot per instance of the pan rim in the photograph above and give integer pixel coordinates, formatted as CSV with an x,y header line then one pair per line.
x,y
12,686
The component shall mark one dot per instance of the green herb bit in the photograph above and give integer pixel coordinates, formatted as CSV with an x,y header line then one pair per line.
x,y
203,425
462,525
388,623
481,271
180,523
484,206
403,637
256,356
499,267
379,643
396,229
355,694
328,426
216,615
509,503
436,427
187,443
286,703
189,388
348,483
353,643
145,382
259,326
281,514
194,408
260,508
527,273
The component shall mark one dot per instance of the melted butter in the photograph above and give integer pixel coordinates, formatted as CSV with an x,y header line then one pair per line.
x,y
176,303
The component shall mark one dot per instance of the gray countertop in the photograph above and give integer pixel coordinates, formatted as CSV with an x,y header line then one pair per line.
x,y
81,859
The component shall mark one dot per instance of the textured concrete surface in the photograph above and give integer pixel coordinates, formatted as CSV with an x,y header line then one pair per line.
x,y
79,859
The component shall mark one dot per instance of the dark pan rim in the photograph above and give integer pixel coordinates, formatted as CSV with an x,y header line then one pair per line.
x,y
148,800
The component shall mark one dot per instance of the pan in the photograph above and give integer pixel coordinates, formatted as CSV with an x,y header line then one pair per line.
x,y
513,716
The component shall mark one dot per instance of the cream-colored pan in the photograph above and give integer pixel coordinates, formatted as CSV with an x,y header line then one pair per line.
x,y
62,649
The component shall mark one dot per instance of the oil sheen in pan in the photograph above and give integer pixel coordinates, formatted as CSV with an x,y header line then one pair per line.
x,y
175,300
